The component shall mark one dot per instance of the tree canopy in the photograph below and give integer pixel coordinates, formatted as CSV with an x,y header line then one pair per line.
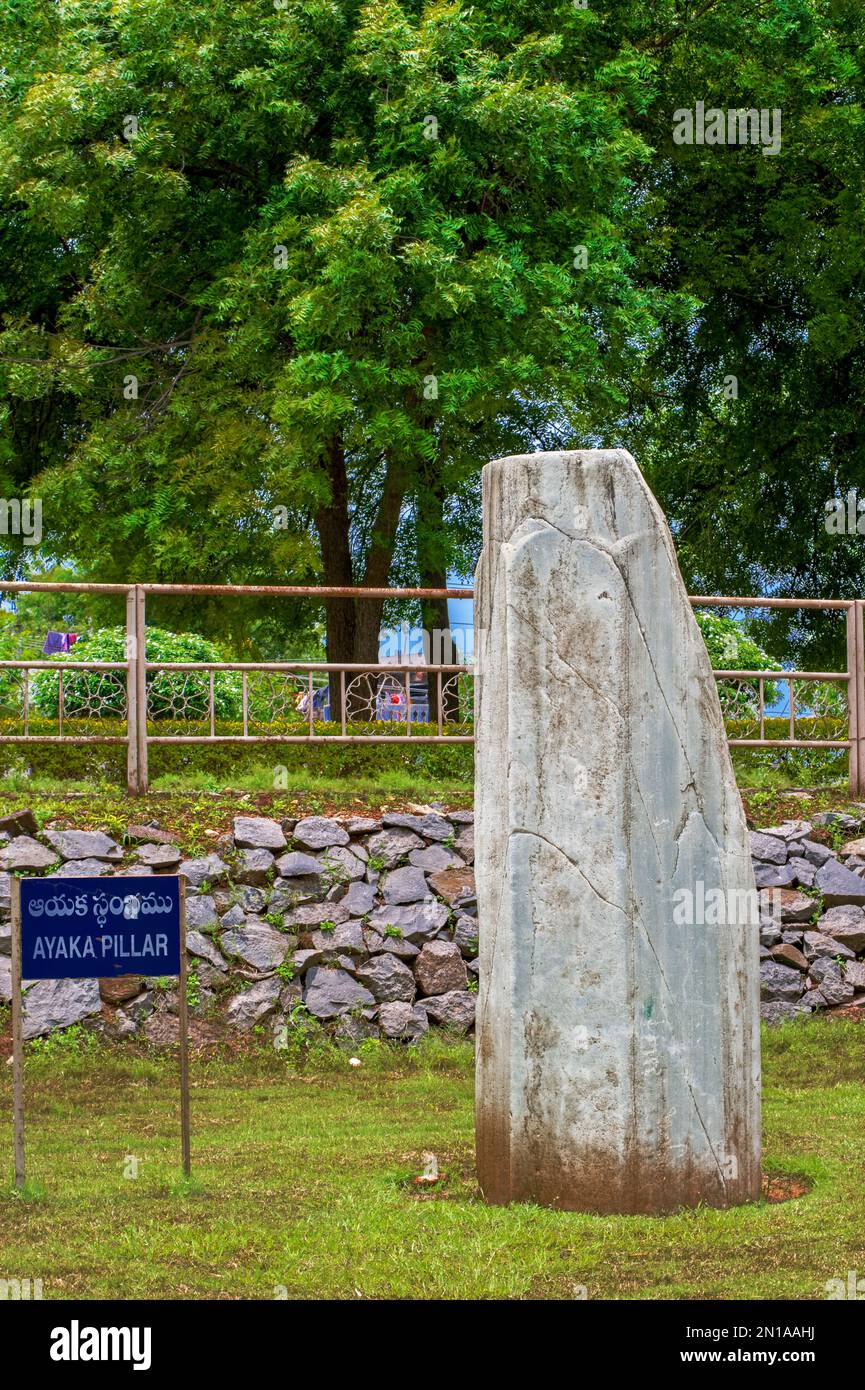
x,y
279,278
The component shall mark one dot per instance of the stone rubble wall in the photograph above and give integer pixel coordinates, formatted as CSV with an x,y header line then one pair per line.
x,y
371,924
812,916
367,925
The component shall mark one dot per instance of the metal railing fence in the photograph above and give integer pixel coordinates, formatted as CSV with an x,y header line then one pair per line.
x,y
239,703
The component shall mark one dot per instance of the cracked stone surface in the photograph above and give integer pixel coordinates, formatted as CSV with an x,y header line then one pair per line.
x,y
778,875
389,846
839,885
341,865
90,868
768,848
401,1020
406,885
259,946
440,968
417,922
359,899
846,925
318,832
333,992
249,1008
199,945
258,832
52,1004
254,866
200,913
295,865
159,856
435,858
389,981
26,853
618,1052
208,869
84,844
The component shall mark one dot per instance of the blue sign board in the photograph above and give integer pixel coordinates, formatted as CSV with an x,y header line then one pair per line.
x,y
86,928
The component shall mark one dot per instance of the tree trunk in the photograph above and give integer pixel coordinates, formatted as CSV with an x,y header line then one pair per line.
x,y
378,563
439,646
376,573
353,625
332,522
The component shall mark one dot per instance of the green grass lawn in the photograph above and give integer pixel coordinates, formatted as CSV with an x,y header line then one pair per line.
x,y
302,1184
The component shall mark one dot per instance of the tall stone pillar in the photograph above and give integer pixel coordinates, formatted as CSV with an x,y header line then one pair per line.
x,y
618,1062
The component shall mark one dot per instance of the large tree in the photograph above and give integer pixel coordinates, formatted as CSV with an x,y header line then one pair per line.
x,y
308,261
351,252
748,416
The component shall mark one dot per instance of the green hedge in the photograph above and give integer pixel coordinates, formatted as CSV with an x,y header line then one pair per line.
x,y
105,691
731,650
222,761
794,767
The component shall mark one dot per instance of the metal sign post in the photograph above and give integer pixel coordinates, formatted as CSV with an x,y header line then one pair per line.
x,y
94,928
17,1038
183,1016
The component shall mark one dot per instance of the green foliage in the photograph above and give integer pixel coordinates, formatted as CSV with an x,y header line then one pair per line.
x,y
771,249
171,694
789,767
778,726
728,645
331,313
30,1192
185,1185
74,1041
730,649
193,988
336,253
321,768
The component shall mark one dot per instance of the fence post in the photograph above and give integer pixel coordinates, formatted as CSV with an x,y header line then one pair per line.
x,y
856,697
131,696
141,685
